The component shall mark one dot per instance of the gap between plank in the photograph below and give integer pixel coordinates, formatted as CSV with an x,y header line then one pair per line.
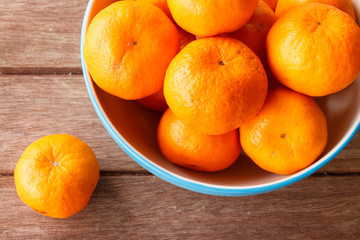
x,y
146,173
336,174
125,173
39,71
102,173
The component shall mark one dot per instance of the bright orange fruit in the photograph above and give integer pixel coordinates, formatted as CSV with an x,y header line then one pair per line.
x,y
162,4
157,101
187,147
288,134
314,49
343,5
56,175
210,18
128,48
215,84
255,31
271,3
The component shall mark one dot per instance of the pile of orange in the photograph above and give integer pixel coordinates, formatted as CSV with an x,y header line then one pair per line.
x,y
207,64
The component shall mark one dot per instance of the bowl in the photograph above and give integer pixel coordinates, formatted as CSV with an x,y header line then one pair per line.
x,y
133,128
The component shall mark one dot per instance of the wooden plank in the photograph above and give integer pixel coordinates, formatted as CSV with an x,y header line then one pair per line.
x,y
144,207
348,160
60,104
40,36
35,106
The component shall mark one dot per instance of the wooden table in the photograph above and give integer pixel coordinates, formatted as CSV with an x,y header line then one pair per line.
x,y
42,92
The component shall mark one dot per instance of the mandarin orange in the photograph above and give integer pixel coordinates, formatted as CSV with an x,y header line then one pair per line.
x,y
128,47
187,147
255,31
288,134
157,101
56,175
271,3
343,5
215,84
210,18
314,49
162,4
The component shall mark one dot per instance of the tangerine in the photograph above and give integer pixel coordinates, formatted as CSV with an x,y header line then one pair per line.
x,y
209,18
314,49
56,175
288,134
187,147
215,84
128,47
343,5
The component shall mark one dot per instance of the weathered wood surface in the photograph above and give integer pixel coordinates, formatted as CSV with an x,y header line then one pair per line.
x,y
145,207
40,36
36,105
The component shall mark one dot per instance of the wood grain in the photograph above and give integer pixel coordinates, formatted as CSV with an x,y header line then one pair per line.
x,y
34,106
41,39
145,207
40,36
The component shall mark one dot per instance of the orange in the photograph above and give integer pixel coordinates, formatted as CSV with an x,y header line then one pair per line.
x,y
271,3
214,84
209,18
187,147
162,4
288,134
255,31
157,101
56,175
343,5
128,48
314,49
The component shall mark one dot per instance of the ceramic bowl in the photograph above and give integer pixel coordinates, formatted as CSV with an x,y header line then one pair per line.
x,y
134,129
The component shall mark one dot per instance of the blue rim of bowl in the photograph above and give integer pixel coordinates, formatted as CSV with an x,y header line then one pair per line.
x,y
188,183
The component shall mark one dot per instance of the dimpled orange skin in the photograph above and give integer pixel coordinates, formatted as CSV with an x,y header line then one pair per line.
x,y
343,5
56,175
187,147
162,4
211,17
255,31
314,49
157,101
214,84
271,3
128,48
288,134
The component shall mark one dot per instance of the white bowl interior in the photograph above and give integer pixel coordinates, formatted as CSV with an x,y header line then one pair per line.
x,y
137,126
